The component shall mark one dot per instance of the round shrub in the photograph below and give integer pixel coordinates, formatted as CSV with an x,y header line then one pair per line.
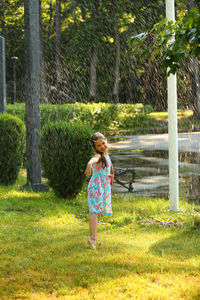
x,y
12,146
65,151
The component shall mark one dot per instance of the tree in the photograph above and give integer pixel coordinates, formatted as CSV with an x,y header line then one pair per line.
x,y
171,54
185,44
31,8
194,73
58,42
94,58
43,83
115,95
94,55
11,28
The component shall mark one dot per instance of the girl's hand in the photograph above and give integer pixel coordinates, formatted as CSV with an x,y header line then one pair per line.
x,y
89,170
111,178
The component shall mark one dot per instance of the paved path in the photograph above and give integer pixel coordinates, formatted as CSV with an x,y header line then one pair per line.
x,y
187,142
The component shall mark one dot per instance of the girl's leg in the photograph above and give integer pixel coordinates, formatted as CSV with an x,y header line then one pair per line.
x,y
93,230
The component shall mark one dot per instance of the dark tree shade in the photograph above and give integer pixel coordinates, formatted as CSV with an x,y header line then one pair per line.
x,y
2,75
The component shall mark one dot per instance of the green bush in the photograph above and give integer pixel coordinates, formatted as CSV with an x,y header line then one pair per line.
x,y
65,151
17,109
12,146
99,116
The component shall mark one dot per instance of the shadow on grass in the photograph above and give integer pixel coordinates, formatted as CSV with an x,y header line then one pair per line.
x,y
181,245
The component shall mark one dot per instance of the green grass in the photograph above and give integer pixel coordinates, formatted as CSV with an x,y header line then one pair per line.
x,y
145,251
186,121
163,116
157,122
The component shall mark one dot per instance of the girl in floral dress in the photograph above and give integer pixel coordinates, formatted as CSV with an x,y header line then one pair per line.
x,y
99,187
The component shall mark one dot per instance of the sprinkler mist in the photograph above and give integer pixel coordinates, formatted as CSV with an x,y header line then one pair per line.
x,y
85,57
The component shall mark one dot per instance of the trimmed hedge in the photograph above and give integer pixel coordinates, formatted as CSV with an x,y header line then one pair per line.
x,y
12,146
65,151
97,115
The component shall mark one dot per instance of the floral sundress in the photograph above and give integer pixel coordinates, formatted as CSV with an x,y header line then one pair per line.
x,y
99,189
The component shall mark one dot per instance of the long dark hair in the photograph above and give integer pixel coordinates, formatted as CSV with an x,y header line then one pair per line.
x,y
96,136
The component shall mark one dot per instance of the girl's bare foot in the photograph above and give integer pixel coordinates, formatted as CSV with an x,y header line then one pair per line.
x,y
92,243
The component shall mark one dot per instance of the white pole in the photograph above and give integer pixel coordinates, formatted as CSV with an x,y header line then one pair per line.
x,y
172,125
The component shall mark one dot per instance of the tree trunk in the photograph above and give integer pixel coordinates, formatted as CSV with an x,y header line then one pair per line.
x,y
43,84
194,73
58,42
195,180
94,57
32,55
2,75
115,95
93,75
117,63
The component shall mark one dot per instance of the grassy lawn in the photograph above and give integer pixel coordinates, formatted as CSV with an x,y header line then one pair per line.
x,y
163,116
186,122
144,251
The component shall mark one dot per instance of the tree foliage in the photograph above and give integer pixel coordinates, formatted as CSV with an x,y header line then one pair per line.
x,y
78,36
116,64
173,40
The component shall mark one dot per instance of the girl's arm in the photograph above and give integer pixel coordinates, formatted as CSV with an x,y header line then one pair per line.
x,y
111,169
94,160
112,174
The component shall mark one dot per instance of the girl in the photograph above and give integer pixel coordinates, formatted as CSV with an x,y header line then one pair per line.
x,y
99,189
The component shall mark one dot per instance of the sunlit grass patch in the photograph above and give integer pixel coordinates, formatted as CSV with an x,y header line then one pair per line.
x,y
155,287
19,194
60,220
186,121
163,116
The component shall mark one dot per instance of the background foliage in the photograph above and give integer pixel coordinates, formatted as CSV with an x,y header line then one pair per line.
x,y
187,41
99,116
85,27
